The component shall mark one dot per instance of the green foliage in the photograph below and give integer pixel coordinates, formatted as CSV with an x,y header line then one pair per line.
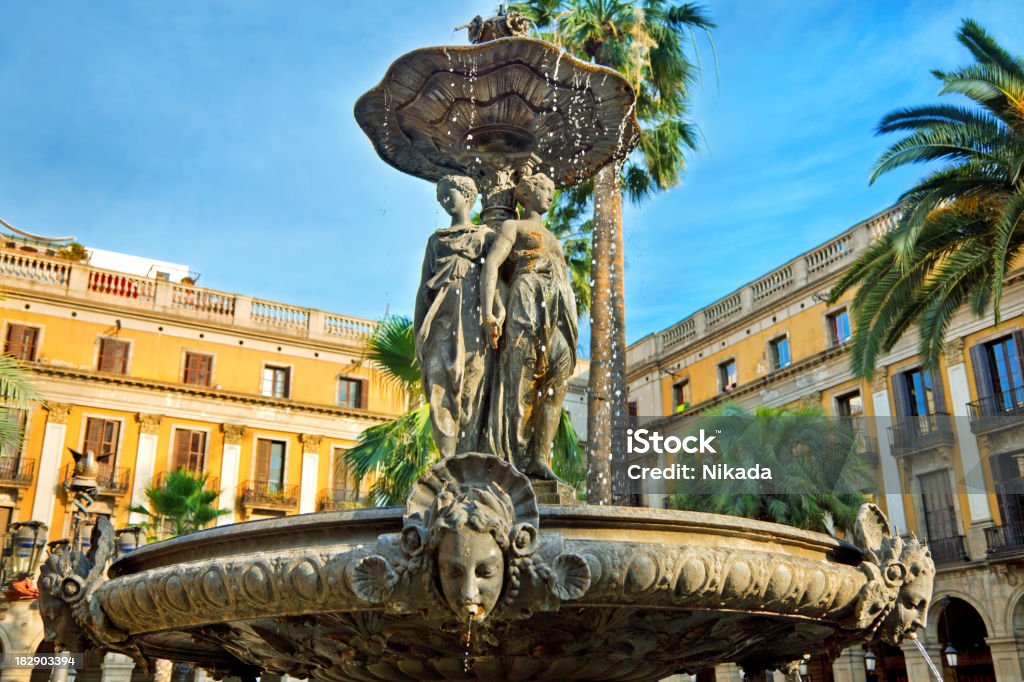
x,y
398,452
181,505
73,251
962,226
650,43
817,472
16,392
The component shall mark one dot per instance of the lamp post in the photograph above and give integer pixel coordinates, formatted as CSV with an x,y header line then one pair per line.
x,y
22,548
129,539
870,661
951,656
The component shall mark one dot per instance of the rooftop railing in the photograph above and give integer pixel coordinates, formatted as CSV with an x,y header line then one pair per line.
x,y
77,280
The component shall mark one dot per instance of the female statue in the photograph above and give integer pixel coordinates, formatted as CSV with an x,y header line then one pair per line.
x,y
451,347
537,335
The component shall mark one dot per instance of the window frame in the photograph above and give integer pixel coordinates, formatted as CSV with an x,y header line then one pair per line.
x,y
833,332
175,430
724,385
774,356
287,369
185,354
36,342
257,439
681,390
112,464
361,396
101,341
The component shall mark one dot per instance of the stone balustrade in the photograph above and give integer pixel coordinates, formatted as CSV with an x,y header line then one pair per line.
x,y
818,265
21,270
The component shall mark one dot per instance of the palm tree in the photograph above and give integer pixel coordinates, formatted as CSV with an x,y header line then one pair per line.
x,y
647,42
180,505
16,393
962,226
818,474
398,452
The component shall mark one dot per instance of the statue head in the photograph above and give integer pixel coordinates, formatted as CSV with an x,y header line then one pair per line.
x,y
471,534
915,573
535,192
456,193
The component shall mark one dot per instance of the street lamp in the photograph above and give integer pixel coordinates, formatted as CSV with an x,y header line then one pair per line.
x,y
869,661
803,669
22,549
950,655
129,539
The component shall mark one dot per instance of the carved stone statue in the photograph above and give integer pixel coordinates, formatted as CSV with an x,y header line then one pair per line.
x,y
451,347
536,340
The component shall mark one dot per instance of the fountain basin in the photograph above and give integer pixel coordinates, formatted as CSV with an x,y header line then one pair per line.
x,y
670,591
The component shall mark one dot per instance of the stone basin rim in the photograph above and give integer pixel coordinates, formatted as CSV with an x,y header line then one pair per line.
x,y
328,529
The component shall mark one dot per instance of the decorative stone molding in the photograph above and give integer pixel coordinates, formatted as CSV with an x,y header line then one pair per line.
x,y
812,399
57,413
310,442
953,351
232,433
149,423
879,382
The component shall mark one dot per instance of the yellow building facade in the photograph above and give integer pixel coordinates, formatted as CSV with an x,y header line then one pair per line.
x,y
262,397
948,442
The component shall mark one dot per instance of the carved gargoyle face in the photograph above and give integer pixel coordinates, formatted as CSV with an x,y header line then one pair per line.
x,y
58,620
472,570
912,605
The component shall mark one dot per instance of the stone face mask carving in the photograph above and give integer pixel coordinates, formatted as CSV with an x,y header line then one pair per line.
x,y
471,535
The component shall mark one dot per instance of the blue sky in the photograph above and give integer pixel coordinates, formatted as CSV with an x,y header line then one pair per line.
x,y
220,134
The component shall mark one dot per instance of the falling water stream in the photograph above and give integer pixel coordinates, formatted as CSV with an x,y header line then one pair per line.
x,y
467,639
928,660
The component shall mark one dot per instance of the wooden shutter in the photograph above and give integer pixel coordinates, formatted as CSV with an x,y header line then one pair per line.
x,y
938,392
982,368
901,396
113,356
262,469
197,452
363,394
179,457
939,512
1018,342
21,341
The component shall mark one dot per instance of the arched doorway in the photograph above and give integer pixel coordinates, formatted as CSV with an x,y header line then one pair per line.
x,y
963,627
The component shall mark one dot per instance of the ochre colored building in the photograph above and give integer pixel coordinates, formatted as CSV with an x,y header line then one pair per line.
x,y
262,397
949,443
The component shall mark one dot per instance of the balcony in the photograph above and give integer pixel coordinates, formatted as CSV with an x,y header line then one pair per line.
x,y
919,433
212,482
79,281
334,499
17,472
111,481
1006,539
997,411
951,550
268,495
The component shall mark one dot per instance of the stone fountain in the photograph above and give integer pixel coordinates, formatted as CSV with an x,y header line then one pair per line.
x,y
476,578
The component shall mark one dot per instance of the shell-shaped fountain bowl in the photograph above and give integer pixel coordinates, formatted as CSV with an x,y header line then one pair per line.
x,y
439,110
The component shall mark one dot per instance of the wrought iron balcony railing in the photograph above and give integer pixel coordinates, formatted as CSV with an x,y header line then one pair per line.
x,y
1005,539
949,550
999,409
17,471
110,480
916,433
268,495
331,499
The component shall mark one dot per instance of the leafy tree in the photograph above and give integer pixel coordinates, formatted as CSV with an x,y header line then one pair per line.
x,y
648,42
181,505
962,226
16,393
398,452
818,474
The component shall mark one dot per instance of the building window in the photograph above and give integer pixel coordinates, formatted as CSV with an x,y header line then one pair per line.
x,y
633,414
17,420
920,395
350,392
940,517
999,375
101,437
838,327
113,356
346,485
681,395
850,405
276,382
779,349
198,369
270,464
22,342
189,451
727,378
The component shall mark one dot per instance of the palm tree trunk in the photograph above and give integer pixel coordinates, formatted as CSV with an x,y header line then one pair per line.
x,y
600,400
620,414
